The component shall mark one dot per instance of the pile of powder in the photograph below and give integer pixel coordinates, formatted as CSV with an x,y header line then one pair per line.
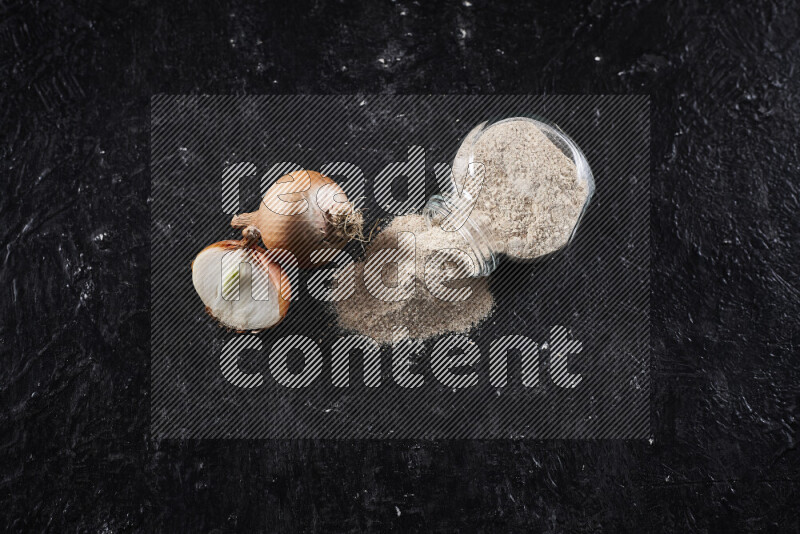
x,y
531,194
424,315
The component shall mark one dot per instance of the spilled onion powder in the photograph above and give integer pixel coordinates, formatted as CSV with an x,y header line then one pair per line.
x,y
532,196
424,314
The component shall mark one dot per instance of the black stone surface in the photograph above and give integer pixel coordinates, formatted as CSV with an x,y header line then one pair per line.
x,y
74,263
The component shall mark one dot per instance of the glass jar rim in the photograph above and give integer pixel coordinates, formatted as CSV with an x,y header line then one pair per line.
x,y
473,231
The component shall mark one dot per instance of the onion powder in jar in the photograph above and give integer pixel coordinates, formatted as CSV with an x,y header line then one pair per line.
x,y
536,185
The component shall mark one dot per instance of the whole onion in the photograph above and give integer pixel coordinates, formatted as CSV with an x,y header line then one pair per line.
x,y
301,212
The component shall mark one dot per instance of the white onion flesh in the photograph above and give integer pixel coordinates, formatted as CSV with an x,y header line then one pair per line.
x,y
258,304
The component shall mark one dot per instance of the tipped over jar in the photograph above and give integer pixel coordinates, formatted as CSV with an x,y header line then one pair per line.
x,y
519,187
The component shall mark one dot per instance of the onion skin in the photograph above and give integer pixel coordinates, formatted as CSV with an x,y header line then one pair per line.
x,y
277,276
281,227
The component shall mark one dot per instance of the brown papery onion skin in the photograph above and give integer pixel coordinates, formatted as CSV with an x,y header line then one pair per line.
x,y
330,225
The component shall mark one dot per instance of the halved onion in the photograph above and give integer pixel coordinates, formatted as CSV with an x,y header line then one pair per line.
x,y
249,297
301,212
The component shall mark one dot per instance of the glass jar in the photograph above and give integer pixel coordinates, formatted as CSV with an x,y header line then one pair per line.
x,y
472,229
477,227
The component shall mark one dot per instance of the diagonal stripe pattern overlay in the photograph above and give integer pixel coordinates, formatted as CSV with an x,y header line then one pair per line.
x,y
565,353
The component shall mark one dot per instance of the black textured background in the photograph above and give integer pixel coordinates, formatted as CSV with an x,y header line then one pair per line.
x,y
74,256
